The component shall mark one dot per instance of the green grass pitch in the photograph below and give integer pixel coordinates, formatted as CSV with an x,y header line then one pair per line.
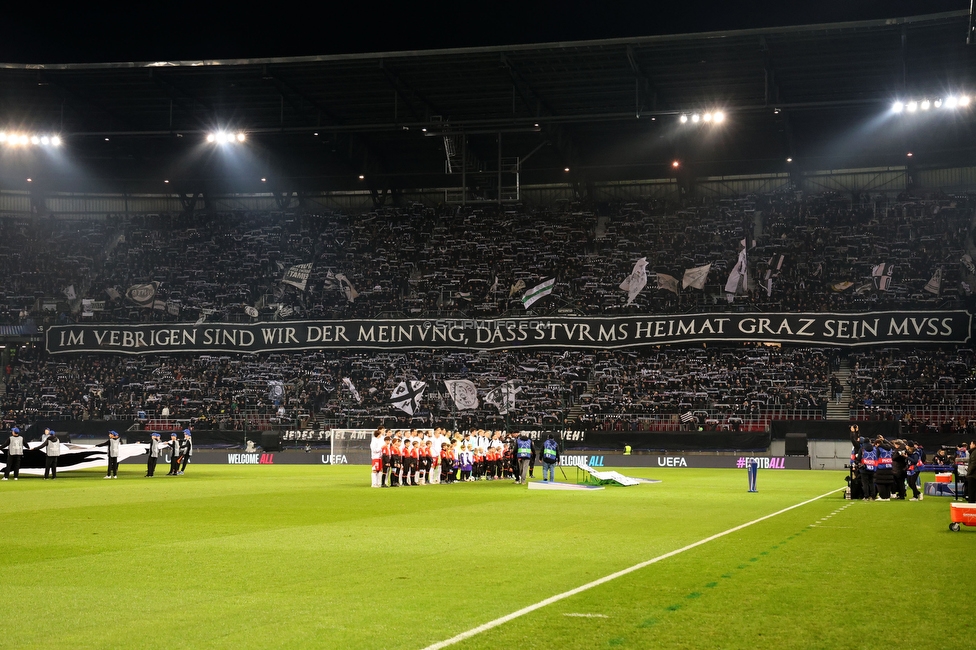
x,y
309,556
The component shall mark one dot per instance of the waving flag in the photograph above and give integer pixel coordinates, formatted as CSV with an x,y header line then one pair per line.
x,y
407,395
347,288
882,275
634,283
935,284
297,276
738,280
352,389
667,282
538,292
463,392
503,397
695,278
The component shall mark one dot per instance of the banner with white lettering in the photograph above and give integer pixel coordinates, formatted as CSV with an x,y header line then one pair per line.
x,y
868,328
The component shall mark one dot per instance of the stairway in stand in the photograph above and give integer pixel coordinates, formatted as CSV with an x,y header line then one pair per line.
x,y
841,410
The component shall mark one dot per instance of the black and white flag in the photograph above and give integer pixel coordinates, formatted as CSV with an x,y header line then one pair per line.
x,y
297,276
352,389
276,390
407,395
935,284
463,392
667,282
738,281
695,277
347,288
142,295
882,275
503,397
634,283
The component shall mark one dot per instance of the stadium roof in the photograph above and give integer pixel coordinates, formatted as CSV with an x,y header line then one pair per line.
x,y
603,109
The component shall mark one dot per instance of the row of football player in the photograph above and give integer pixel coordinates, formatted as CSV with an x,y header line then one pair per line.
x,y
423,457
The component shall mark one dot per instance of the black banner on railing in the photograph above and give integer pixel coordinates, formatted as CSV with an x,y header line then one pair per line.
x,y
869,328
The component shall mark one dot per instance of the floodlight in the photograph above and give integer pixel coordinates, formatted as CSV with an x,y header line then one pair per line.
x,y
566,169
937,103
241,136
719,116
35,140
56,140
211,137
707,117
695,117
964,100
789,160
925,105
23,139
911,106
45,140
3,136
361,177
675,164
683,119
951,101
897,107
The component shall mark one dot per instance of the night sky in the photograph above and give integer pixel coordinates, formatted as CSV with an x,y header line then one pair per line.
x,y
160,31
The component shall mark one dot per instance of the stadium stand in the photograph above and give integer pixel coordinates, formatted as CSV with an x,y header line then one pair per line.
x,y
432,262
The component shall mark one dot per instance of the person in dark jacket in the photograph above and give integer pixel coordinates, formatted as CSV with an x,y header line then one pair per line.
x,y
867,458
15,453
899,467
884,475
52,447
113,454
154,449
174,454
524,452
186,450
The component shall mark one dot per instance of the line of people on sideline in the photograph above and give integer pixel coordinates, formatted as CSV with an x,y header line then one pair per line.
x,y
179,451
424,457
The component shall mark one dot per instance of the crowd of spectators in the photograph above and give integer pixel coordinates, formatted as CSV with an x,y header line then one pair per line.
x,y
420,261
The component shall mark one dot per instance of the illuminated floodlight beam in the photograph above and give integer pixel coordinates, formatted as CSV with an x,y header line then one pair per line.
x,y
718,117
911,106
24,139
683,119
224,137
897,107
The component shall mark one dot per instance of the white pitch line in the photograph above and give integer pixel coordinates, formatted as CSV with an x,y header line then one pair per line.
x,y
613,576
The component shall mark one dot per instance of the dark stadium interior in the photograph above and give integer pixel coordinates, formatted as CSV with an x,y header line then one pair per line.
x,y
605,109
436,180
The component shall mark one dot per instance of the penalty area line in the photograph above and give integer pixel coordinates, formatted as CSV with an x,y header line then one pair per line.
x,y
484,627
